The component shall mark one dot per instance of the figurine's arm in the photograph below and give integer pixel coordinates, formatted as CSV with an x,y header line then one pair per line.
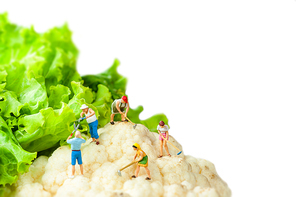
x,y
159,132
81,114
92,112
135,157
166,135
117,106
82,139
69,137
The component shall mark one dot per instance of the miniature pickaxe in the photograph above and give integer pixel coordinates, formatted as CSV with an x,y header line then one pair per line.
x,y
171,144
119,171
134,125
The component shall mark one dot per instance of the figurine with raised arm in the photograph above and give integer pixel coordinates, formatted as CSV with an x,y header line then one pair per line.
x,y
142,161
76,152
118,107
92,121
163,131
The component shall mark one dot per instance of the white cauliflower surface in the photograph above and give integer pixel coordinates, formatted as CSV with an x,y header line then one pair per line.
x,y
174,176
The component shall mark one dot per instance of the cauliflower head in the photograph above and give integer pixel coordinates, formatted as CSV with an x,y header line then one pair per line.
x,y
173,176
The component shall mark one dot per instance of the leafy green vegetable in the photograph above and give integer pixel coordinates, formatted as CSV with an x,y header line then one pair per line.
x,y
151,123
58,94
3,75
41,94
13,159
115,82
45,129
103,103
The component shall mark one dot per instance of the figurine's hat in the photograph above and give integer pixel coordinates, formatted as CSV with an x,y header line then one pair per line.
x,y
84,106
124,98
136,145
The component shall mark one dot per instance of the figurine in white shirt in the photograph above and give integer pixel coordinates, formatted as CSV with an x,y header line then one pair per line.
x,y
92,121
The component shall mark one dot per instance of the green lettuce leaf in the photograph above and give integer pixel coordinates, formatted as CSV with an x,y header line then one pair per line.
x,y
28,90
115,82
82,95
151,123
45,129
58,94
3,75
13,159
9,104
103,103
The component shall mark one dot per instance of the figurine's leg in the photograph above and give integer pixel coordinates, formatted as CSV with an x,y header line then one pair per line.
x,y
166,148
161,147
79,159
137,171
90,126
148,172
95,131
73,170
122,117
73,162
81,169
112,117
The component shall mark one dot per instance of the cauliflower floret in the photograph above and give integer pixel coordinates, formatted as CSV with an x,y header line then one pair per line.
x,y
209,171
178,175
32,189
175,190
141,188
35,173
205,192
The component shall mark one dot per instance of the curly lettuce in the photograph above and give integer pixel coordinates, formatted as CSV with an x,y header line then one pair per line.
x,y
13,158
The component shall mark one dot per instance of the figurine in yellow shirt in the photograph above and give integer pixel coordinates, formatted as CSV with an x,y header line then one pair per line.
x,y
142,161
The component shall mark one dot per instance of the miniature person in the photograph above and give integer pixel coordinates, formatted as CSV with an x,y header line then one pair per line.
x,y
118,106
142,161
163,131
92,121
76,152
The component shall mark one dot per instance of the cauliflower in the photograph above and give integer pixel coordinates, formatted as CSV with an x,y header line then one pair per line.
x,y
171,176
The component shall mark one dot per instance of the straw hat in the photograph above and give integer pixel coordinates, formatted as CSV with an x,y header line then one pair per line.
x,y
84,106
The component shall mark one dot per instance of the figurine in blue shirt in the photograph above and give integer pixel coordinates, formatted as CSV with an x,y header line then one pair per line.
x,y
76,152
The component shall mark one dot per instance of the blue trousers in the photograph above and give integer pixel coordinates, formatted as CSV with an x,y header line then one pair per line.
x,y
76,155
93,129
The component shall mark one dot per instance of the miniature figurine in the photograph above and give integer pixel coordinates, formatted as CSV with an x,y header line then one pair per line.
x,y
163,131
76,152
142,161
118,106
92,122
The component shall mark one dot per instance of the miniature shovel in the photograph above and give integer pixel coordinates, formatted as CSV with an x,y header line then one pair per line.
x,y
134,125
172,145
119,171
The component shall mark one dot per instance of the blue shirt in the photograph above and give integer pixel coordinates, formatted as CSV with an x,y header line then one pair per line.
x,y
75,143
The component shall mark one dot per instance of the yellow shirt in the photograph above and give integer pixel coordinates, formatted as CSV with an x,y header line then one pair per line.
x,y
138,153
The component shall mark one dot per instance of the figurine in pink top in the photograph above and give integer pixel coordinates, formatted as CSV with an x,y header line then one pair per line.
x,y
163,131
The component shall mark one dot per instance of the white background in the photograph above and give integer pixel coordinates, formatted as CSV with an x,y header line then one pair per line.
x,y
222,71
